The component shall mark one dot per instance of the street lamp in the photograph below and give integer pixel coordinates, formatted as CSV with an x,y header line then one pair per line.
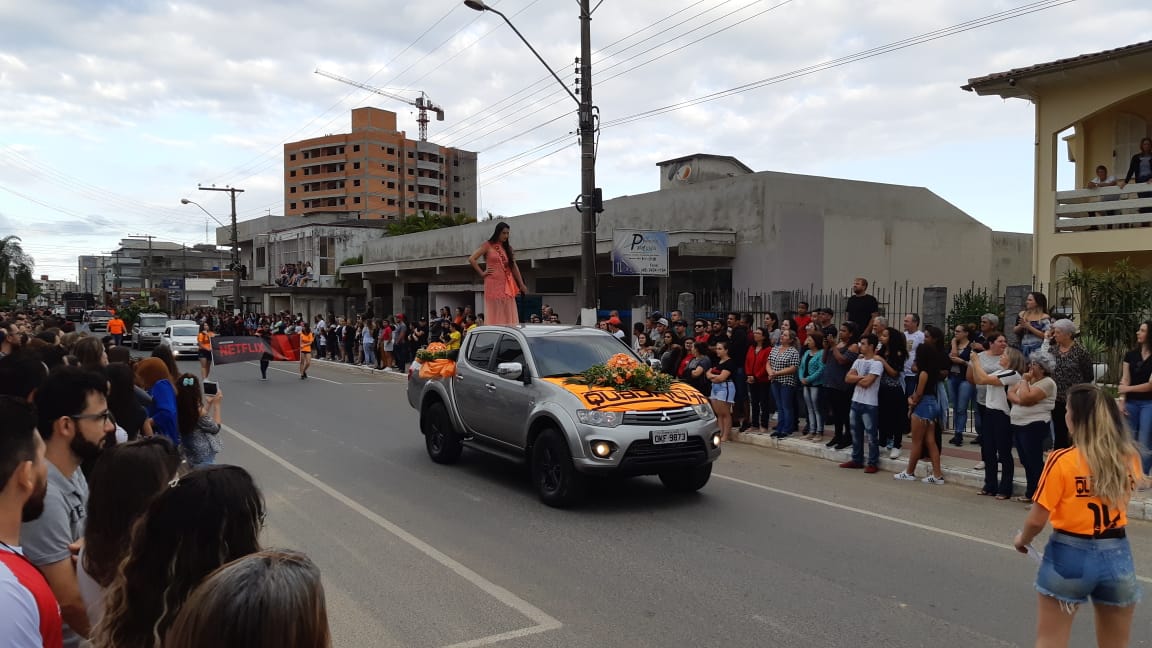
x,y
588,204
235,244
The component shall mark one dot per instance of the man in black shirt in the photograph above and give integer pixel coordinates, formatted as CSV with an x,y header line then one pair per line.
x,y
824,321
862,307
739,326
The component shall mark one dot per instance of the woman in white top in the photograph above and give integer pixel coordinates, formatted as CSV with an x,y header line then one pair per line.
x,y
1032,401
996,426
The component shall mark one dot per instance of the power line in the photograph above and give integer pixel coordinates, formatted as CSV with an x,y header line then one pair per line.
x,y
958,28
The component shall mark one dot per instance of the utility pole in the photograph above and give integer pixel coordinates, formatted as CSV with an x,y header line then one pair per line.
x,y
589,206
146,281
236,305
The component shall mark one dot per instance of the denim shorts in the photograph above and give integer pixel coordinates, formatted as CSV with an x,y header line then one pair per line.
x,y
1075,569
928,408
724,391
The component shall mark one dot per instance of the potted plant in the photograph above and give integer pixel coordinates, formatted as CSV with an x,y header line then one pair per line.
x,y
1097,350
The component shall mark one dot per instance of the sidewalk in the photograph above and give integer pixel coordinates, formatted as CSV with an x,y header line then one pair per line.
x,y
957,463
335,364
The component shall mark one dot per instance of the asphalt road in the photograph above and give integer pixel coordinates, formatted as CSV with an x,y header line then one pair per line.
x,y
777,550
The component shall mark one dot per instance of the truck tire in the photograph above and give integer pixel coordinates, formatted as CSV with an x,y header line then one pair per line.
x,y
686,480
554,475
440,436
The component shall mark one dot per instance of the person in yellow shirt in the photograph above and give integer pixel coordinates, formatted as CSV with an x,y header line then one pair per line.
x,y
306,338
204,341
1084,492
455,336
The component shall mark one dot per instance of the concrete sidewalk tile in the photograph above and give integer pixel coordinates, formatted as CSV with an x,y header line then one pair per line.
x,y
958,470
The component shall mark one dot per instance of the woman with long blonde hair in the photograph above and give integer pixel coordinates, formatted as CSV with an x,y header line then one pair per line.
x,y
1084,493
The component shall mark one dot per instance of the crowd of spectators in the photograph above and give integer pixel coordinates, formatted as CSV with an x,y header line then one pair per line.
x,y
117,529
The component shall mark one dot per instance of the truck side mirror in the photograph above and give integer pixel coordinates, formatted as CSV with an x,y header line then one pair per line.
x,y
510,370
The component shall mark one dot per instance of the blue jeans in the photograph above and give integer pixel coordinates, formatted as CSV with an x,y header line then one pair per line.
x,y
996,451
785,397
864,419
814,403
1140,420
960,393
1030,446
369,354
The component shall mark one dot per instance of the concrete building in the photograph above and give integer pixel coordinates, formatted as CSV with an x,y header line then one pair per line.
x,y
52,290
324,239
1095,108
91,273
729,229
375,171
160,269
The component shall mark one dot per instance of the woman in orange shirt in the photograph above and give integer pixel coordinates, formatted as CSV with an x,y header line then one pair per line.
x,y
1084,491
204,340
306,338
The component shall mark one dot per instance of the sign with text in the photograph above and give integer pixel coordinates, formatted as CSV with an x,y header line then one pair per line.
x,y
227,349
639,253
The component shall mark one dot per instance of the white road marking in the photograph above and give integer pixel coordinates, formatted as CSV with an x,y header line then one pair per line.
x,y
881,516
544,622
296,373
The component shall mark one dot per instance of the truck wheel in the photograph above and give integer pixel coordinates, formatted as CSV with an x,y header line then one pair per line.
x,y
440,436
553,473
686,480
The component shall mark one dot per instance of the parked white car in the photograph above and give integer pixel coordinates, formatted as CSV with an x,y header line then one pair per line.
x,y
180,336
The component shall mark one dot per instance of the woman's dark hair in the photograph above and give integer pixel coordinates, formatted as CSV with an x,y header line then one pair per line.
x,y
937,337
1148,335
764,339
307,327
1041,300
122,395
189,401
818,338
120,354
775,321
90,352
495,239
853,331
209,517
269,599
792,325
896,351
124,481
164,352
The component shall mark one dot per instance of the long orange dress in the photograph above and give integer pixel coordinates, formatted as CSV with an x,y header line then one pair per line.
x,y
500,289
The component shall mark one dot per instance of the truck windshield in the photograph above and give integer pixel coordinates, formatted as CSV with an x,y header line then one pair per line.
x,y
154,321
185,331
568,356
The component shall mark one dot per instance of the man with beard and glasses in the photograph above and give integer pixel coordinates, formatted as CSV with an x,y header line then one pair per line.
x,y
31,615
73,418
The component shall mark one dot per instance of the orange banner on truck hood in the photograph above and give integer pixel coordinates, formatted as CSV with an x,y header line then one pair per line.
x,y
610,400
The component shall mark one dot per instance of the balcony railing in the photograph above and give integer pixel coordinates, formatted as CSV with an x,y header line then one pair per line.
x,y
1104,208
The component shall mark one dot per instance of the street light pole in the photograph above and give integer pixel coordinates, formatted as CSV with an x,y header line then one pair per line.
x,y
232,191
588,204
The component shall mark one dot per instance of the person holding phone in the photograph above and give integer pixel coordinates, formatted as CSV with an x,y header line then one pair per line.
x,y
198,413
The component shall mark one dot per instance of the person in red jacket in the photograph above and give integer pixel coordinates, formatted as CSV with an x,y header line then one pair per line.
x,y
759,394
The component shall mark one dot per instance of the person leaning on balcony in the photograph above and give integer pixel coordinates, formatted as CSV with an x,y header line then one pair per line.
x,y
1136,390
1140,170
1073,367
1101,180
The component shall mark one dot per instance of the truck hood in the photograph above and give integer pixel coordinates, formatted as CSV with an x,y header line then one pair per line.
x,y
611,400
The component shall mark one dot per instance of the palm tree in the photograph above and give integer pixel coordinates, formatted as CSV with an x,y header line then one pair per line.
x,y
14,261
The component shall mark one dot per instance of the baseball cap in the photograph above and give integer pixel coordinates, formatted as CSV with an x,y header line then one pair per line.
x,y
614,321
662,321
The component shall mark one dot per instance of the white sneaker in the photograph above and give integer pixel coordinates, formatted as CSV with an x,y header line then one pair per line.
x,y
932,479
903,476
979,466
894,453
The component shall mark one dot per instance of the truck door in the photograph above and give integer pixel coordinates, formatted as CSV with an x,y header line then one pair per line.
x,y
473,375
512,400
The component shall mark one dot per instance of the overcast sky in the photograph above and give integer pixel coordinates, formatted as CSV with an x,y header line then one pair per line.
x,y
112,111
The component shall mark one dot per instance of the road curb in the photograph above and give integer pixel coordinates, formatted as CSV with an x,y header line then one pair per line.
x,y
333,364
955,474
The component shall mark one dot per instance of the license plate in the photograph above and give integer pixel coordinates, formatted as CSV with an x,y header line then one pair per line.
x,y
669,436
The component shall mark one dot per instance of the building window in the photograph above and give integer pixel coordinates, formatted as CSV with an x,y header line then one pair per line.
x,y
391,167
455,210
391,202
411,171
411,204
327,255
355,148
292,174
411,187
355,183
391,185
456,163
455,178
355,165
356,200
261,257
410,155
292,190
292,157
391,151
455,194
340,151
291,205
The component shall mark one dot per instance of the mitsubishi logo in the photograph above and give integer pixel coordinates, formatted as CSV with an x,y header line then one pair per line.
x,y
664,417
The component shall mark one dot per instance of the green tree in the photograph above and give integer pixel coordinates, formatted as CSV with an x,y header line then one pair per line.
x,y
15,267
1109,304
425,221
969,305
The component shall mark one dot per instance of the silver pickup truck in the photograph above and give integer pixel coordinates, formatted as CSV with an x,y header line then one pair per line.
x,y
509,398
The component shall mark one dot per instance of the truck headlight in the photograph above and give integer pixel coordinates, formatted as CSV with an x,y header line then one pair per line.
x,y
603,449
598,418
704,411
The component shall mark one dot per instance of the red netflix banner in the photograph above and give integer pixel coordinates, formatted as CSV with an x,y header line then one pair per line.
x,y
249,348
286,347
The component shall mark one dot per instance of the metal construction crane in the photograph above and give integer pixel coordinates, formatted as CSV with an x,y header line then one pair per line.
x,y
422,102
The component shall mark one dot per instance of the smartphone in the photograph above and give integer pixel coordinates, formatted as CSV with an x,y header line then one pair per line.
x,y
210,388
